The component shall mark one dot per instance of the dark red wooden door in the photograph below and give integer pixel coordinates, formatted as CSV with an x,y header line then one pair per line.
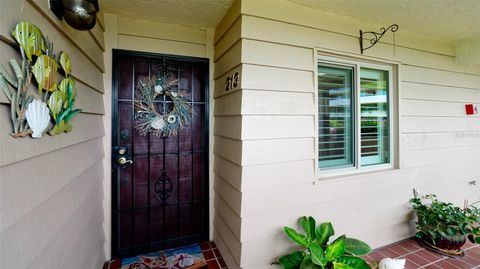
x,y
144,219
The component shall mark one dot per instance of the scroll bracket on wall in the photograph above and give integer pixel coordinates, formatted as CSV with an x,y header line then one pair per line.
x,y
374,37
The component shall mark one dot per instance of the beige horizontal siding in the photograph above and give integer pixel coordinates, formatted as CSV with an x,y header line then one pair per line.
x,y
277,127
85,127
49,218
229,127
423,141
429,108
229,105
276,55
228,61
40,182
269,78
439,77
229,171
277,103
276,150
51,188
97,34
422,124
419,91
233,245
269,160
228,214
227,146
220,82
229,149
230,195
225,24
273,175
231,37
226,253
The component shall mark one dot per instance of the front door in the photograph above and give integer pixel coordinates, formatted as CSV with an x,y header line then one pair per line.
x,y
160,198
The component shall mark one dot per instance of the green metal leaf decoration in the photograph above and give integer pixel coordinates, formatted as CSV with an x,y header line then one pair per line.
x,y
30,39
55,103
45,72
72,114
64,87
65,63
63,115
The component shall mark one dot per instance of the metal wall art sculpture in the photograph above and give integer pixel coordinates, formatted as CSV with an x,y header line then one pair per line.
x,y
31,116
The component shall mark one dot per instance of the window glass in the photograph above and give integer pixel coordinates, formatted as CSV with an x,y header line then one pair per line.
x,y
374,114
335,121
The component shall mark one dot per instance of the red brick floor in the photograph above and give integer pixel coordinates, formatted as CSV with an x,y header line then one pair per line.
x,y
212,256
419,257
209,250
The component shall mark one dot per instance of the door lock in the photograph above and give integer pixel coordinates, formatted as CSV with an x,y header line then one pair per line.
x,y
123,161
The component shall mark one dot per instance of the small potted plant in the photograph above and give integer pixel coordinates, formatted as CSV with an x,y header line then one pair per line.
x,y
444,227
317,253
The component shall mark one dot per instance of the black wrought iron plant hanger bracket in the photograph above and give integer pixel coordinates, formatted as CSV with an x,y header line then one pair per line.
x,y
375,36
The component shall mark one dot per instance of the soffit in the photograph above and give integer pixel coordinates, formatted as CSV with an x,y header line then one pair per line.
x,y
194,13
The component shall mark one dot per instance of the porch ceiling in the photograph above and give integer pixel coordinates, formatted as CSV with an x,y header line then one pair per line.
x,y
197,13
447,20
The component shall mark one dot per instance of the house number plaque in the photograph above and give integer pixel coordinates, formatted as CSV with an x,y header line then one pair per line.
x,y
231,82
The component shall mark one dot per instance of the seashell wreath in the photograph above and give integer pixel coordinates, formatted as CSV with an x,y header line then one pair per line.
x,y
165,122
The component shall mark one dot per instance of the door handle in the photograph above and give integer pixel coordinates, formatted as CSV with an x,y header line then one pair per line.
x,y
123,161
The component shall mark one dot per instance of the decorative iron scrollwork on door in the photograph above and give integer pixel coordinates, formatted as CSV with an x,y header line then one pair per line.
x,y
163,187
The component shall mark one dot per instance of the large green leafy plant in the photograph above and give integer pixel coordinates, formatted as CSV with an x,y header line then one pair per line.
x,y
317,252
437,219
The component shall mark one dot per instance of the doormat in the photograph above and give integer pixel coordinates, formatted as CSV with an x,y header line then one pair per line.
x,y
189,257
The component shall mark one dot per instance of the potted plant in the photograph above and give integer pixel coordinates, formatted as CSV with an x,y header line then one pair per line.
x,y
317,252
444,227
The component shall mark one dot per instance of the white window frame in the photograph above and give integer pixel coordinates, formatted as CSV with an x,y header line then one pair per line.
x,y
357,63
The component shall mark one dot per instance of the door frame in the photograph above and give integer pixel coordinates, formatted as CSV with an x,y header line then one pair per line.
x,y
114,133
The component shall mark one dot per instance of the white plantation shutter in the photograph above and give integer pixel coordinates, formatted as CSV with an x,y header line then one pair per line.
x,y
353,115
374,138
335,134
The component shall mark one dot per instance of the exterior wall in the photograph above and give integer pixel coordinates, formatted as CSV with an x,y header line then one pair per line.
x,y
227,143
265,134
50,188
140,35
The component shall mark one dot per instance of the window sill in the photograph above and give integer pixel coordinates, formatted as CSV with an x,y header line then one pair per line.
x,y
353,173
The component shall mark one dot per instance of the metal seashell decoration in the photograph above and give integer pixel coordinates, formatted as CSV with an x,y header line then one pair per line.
x,y
38,117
